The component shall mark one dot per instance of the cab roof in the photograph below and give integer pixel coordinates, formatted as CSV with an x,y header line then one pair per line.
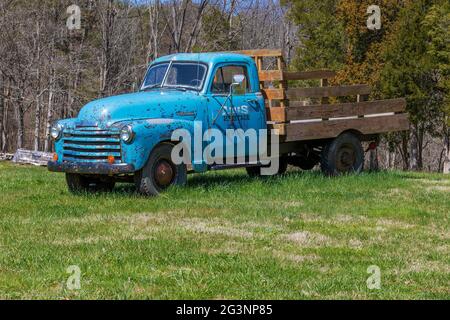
x,y
209,58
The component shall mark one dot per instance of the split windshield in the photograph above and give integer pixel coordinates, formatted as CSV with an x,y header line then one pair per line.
x,y
189,75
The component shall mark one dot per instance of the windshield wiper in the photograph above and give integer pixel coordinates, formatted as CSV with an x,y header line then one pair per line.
x,y
153,86
176,88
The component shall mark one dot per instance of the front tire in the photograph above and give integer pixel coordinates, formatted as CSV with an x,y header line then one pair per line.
x,y
160,172
342,155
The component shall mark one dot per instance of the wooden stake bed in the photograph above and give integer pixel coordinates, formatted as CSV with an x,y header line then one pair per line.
x,y
289,112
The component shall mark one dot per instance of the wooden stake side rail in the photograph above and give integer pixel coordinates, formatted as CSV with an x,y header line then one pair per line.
x,y
278,75
287,112
335,110
316,92
333,128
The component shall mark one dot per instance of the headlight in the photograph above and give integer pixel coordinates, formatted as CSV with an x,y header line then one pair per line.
x,y
127,134
55,131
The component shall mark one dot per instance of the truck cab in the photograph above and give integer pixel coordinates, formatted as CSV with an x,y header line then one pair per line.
x,y
129,137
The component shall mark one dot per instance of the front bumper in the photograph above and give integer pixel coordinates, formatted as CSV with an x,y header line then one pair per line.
x,y
90,168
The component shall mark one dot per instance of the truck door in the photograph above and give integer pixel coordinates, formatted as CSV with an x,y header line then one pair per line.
x,y
243,110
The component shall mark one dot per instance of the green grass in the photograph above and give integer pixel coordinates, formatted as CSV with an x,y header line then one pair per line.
x,y
300,236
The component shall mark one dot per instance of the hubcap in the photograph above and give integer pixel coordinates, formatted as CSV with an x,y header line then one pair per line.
x,y
164,173
345,158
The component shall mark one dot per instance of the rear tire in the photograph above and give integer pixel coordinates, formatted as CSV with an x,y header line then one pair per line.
x,y
343,155
160,172
78,183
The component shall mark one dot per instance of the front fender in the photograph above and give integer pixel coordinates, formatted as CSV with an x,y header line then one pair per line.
x,y
148,134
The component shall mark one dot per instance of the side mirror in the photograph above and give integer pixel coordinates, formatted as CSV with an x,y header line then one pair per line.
x,y
238,85
238,79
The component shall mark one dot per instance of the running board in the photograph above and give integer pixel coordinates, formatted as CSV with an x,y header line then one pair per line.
x,y
234,166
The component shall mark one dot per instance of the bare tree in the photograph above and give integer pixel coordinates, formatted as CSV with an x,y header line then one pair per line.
x,y
154,9
177,23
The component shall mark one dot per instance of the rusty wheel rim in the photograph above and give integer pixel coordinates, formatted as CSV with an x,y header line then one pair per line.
x,y
345,158
164,173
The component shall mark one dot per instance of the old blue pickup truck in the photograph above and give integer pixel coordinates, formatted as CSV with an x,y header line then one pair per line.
x,y
130,137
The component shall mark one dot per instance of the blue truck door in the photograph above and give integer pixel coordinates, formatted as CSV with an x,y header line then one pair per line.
x,y
245,111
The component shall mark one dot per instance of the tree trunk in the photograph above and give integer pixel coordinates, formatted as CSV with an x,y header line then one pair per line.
x,y
414,150
153,44
446,167
2,111
403,149
37,114
4,118
48,118
20,125
3,133
420,144
37,123
108,22
391,162
373,163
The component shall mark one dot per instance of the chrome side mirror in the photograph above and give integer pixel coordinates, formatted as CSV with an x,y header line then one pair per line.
x,y
238,79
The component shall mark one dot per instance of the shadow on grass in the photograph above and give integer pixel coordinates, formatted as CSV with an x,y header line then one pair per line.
x,y
218,179
210,181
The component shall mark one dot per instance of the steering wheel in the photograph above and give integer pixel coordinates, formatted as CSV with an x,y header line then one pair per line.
x,y
195,82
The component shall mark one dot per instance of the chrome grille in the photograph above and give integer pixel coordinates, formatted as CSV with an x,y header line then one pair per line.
x,y
90,144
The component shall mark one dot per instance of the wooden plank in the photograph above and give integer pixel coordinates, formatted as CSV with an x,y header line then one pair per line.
x,y
259,64
309,75
320,92
273,94
344,109
333,128
324,100
261,52
32,157
283,84
361,98
276,114
277,75
6,156
281,127
270,75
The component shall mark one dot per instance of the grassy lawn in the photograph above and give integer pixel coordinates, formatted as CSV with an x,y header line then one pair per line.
x,y
301,236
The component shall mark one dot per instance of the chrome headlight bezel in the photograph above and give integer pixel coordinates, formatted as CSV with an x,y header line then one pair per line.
x,y
127,134
56,131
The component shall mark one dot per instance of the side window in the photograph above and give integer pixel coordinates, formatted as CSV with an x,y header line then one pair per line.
x,y
224,78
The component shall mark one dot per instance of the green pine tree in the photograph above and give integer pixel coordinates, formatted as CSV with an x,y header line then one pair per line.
x,y
320,34
409,72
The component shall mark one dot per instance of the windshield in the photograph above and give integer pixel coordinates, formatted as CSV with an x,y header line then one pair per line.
x,y
178,74
155,75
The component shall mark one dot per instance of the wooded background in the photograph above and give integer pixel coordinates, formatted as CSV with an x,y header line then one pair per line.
x,y
48,72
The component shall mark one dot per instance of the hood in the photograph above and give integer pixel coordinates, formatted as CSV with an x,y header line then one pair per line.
x,y
139,105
